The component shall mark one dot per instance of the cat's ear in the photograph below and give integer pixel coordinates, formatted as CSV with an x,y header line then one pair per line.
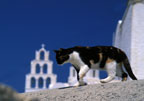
x,y
55,51
61,49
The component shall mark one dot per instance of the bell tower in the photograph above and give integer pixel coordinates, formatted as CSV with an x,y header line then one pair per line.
x,y
41,72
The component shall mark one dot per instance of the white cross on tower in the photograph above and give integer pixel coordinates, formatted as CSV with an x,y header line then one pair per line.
x,y
43,45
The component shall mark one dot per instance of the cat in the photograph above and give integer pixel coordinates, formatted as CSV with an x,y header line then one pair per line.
x,y
107,58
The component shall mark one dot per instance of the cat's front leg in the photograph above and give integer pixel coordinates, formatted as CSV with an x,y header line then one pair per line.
x,y
83,70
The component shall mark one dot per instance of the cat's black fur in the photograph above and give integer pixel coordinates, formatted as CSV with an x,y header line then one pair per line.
x,y
101,54
88,53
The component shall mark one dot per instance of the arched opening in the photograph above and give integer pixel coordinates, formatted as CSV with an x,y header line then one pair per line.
x,y
45,68
48,81
42,54
103,74
37,68
73,73
40,82
94,73
33,82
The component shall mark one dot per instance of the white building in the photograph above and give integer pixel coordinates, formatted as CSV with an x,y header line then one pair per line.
x,y
129,36
41,75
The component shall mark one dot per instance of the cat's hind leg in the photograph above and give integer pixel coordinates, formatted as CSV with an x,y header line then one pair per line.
x,y
124,76
120,72
111,70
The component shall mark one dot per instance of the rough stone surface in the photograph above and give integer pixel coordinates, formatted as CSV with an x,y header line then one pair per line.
x,y
119,91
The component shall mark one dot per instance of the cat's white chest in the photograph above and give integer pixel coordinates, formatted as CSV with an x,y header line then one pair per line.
x,y
76,60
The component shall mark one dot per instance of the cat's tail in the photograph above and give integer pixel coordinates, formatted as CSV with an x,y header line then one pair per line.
x,y
128,68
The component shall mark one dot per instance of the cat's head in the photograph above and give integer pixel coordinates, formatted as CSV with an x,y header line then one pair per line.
x,y
62,55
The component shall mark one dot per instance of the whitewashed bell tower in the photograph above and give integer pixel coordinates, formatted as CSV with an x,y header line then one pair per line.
x,y
41,74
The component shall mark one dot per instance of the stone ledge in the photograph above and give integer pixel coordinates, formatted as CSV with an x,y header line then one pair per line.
x,y
119,91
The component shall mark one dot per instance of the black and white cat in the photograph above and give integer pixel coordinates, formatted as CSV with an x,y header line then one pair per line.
x,y
106,58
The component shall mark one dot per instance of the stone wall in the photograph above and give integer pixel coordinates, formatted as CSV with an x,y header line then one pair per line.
x,y
120,91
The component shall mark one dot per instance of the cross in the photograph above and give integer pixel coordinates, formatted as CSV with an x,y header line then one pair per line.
x,y
43,45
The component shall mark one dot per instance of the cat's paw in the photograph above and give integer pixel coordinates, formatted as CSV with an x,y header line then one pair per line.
x,y
108,79
77,84
80,84
103,81
83,83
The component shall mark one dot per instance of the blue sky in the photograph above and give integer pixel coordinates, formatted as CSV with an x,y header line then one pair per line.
x,y
26,24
